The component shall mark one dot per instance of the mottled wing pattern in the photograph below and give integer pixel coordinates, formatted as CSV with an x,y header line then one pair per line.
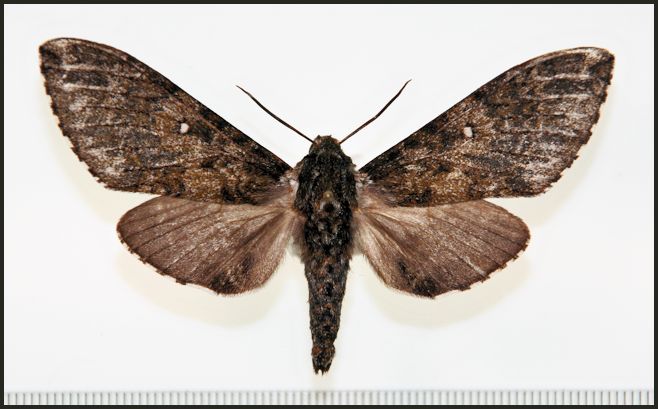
x,y
139,132
512,137
427,251
227,248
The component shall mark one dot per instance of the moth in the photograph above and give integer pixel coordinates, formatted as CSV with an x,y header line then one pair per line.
x,y
227,207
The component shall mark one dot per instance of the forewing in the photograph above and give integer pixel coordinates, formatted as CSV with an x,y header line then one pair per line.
x,y
227,248
512,137
139,132
427,251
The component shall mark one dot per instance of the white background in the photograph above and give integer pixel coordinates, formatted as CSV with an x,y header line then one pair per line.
x,y
574,311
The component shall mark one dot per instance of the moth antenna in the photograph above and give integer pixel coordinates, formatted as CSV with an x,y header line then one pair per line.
x,y
274,116
376,116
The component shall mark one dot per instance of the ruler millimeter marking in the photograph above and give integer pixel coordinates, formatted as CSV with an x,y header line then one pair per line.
x,y
418,397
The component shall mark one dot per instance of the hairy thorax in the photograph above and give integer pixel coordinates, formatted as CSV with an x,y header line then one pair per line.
x,y
326,194
326,198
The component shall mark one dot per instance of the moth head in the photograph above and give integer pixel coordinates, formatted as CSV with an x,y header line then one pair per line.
x,y
323,143
322,139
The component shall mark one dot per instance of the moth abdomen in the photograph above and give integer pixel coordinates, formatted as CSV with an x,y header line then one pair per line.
x,y
326,285
326,196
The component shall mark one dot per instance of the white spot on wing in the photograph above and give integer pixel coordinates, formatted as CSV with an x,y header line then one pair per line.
x,y
468,132
184,128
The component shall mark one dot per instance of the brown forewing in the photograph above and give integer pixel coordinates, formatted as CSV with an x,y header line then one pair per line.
x,y
512,137
427,251
139,132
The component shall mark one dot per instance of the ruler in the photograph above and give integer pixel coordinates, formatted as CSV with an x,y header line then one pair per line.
x,y
418,397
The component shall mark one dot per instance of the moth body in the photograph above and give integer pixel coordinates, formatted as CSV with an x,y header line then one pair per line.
x,y
325,199
227,207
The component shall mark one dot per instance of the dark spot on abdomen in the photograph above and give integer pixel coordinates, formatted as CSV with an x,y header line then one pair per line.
x,y
329,290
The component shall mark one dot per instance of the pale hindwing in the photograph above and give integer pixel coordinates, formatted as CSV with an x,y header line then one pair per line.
x,y
427,251
512,137
227,248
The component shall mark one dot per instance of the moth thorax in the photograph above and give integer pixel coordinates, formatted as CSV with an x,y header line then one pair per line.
x,y
328,203
326,179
